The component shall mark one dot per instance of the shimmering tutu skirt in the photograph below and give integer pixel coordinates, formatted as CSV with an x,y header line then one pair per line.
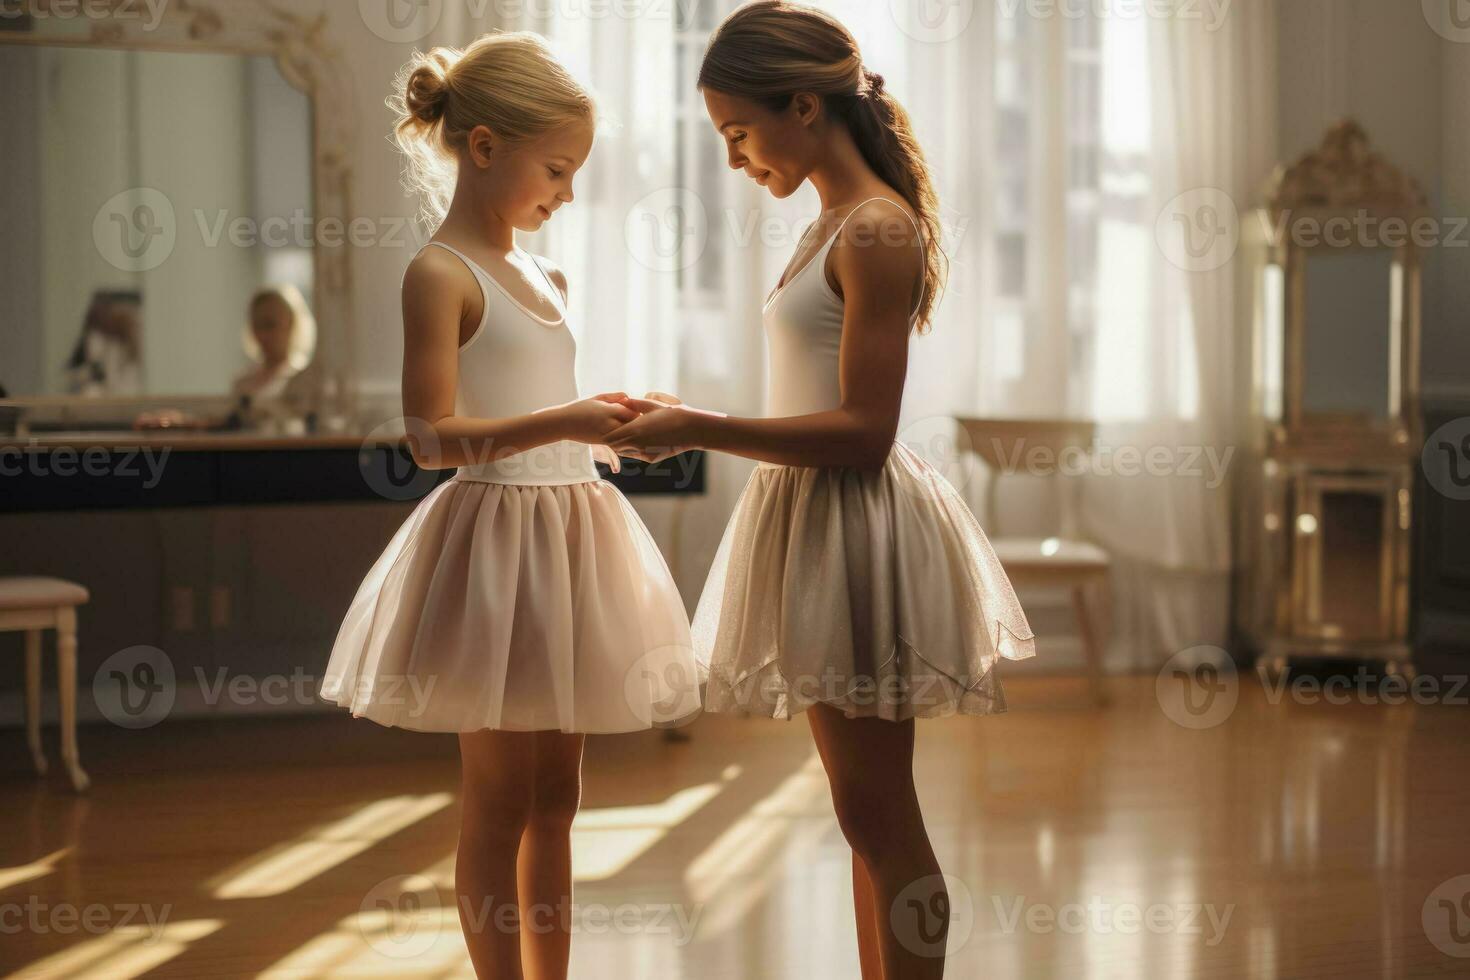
x,y
519,608
873,591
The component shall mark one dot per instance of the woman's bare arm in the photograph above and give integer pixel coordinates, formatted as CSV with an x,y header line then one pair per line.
x,y
878,278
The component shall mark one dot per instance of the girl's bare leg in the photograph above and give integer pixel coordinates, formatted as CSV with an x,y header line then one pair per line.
x,y
496,787
545,870
869,763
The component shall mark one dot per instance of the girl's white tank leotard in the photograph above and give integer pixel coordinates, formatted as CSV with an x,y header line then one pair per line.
x,y
525,364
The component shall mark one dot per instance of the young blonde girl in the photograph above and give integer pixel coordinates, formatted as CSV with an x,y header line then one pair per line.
x,y
523,603
852,583
279,339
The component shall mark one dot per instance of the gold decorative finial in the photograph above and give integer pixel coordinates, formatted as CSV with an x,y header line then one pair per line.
x,y
1344,172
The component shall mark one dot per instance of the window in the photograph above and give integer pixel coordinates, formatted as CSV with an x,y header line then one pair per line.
x,y
698,156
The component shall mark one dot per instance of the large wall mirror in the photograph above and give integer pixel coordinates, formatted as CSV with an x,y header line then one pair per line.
x,y
173,192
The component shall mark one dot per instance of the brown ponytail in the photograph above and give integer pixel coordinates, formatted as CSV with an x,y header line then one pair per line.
x,y
769,50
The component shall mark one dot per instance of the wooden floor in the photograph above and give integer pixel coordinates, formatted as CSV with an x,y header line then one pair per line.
x,y
1290,840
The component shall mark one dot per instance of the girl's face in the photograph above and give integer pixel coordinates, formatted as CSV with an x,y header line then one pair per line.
x,y
775,149
270,322
526,182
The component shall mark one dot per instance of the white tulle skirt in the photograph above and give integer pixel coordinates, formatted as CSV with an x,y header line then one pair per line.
x,y
521,608
873,591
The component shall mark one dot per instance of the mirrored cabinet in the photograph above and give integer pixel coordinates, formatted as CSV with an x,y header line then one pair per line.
x,y
1325,501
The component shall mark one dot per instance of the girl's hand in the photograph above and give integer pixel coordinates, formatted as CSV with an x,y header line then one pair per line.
x,y
590,420
667,399
662,430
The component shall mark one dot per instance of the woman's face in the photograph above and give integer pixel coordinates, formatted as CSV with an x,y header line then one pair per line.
x,y
527,182
270,322
773,148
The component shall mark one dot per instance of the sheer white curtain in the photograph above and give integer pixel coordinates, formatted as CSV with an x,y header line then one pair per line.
x,y
1214,143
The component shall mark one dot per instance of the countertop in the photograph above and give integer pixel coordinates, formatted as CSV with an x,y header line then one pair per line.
x,y
184,439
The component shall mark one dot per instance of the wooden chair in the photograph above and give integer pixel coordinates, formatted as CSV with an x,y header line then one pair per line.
x,y
1065,560
35,603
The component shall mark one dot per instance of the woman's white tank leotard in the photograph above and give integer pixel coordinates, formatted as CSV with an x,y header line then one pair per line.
x,y
803,321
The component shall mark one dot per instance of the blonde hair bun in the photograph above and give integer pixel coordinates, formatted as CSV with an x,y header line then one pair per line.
x,y
509,81
426,93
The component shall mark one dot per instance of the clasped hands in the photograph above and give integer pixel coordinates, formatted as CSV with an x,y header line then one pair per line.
x,y
650,429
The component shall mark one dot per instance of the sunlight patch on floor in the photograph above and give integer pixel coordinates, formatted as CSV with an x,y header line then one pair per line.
x,y
21,873
287,865
123,952
605,840
423,942
739,865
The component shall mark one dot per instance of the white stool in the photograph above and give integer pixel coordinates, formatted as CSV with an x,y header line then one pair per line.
x,y
34,603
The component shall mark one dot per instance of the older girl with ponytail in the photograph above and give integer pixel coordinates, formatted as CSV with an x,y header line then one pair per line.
x,y
852,583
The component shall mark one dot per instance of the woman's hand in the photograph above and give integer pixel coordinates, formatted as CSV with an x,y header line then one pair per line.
x,y
664,427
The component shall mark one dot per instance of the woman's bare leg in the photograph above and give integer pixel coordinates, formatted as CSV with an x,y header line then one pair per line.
x,y
545,870
869,763
868,922
496,787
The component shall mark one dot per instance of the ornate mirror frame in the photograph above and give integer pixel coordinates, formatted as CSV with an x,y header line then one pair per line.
x,y
1344,180
297,43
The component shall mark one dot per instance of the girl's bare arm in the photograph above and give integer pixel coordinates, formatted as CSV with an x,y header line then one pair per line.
x,y
437,289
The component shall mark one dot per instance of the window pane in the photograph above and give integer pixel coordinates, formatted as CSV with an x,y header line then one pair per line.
x,y
711,264
1010,255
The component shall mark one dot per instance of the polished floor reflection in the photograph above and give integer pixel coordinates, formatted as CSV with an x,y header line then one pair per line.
x,y
1283,837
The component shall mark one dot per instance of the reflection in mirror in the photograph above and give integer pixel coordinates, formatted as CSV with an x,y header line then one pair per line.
x,y
1351,569
1349,330
170,194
